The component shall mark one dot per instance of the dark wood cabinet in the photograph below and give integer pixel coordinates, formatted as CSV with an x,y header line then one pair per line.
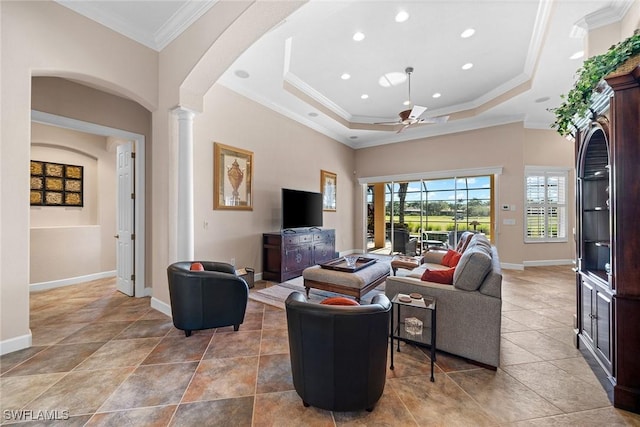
x,y
608,236
285,255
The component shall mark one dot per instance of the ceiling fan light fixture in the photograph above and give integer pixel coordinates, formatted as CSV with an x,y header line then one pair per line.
x,y
407,102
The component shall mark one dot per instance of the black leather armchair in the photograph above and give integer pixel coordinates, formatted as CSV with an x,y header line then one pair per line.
x,y
212,298
338,353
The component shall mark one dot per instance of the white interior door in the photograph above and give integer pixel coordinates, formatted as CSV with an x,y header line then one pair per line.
x,y
125,254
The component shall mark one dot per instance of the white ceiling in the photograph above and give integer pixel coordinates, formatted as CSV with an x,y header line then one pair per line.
x,y
520,54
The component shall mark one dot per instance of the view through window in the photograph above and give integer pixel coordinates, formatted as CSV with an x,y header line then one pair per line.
x,y
434,212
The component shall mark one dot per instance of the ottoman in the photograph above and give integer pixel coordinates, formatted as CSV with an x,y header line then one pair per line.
x,y
407,262
353,284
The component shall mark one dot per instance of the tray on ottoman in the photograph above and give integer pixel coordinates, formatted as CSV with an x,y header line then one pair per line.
x,y
340,264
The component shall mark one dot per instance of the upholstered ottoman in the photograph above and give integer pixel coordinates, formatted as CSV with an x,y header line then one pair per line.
x,y
407,262
353,284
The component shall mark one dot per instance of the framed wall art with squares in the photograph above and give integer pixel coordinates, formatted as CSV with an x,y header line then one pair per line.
x,y
56,184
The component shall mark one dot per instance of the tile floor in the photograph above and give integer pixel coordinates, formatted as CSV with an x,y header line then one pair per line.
x,y
106,359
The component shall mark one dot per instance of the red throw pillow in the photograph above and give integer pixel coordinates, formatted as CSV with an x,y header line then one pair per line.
x,y
451,258
339,301
455,258
196,266
439,276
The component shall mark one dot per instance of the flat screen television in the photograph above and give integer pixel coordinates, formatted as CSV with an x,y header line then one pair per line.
x,y
301,209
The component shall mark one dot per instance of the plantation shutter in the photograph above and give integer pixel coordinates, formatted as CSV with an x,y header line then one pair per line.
x,y
545,205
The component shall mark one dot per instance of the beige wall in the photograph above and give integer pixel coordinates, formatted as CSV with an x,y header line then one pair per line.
x,y
44,38
286,154
631,21
511,147
69,242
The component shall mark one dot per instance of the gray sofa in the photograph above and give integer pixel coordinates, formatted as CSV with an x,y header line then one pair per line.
x,y
469,311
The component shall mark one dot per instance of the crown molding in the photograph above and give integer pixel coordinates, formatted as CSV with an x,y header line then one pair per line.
x,y
186,15
614,12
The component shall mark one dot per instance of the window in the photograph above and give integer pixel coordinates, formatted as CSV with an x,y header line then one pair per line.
x,y
438,209
545,205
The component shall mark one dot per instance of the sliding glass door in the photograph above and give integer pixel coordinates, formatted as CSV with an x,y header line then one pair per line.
x,y
430,212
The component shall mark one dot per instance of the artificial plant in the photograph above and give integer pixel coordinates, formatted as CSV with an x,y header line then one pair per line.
x,y
576,102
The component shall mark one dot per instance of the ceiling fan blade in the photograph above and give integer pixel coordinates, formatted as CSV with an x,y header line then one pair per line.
x,y
403,128
437,120
387,123
417,111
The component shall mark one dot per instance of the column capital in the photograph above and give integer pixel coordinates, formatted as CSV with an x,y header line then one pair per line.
x,y
183,113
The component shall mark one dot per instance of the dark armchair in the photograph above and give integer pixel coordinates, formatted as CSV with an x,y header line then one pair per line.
x,y
403,243
212,298
338,353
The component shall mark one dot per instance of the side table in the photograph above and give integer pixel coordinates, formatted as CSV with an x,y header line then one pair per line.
x,y
426,337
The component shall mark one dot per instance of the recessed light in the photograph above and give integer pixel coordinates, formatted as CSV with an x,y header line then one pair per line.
x,y
364,96
436,95
358,36
543,99
467,66
579,54
345,76
467,33
242,74
393,78
312,114
402,16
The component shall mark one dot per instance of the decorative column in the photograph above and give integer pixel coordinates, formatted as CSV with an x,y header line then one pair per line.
x,y
185,223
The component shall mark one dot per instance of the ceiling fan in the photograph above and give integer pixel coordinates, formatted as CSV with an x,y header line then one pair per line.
x,y
413,116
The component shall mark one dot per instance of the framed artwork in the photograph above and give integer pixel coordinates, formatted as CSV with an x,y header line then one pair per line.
x,y
232,178
328,186
55,184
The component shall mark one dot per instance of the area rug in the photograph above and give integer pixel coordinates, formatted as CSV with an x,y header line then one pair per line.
x,y
275,294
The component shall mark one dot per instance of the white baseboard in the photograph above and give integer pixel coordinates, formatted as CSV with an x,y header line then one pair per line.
x,y
511,266
15,344
161,306
548,262
70,281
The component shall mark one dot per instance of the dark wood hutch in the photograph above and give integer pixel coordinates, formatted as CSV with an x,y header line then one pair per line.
x,y
608,234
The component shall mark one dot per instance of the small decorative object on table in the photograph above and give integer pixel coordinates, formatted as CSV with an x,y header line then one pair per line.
x,y
413,326
351,261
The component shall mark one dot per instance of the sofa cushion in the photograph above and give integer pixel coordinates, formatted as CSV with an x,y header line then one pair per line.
x,y
473,267
433,256
439,276
451,258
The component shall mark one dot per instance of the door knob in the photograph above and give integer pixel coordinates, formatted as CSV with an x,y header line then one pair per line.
x,y
117,236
